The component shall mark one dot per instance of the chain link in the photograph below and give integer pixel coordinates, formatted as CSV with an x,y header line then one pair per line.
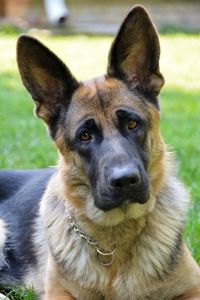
x,y
80,232
99,251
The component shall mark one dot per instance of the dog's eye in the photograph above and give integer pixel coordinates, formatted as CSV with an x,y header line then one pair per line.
x,y
132,124
85,136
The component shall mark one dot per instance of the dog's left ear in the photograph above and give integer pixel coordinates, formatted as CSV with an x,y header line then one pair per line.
x,y
135,52
46,77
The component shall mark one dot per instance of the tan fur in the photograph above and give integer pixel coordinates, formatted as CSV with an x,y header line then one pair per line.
x,y
54,289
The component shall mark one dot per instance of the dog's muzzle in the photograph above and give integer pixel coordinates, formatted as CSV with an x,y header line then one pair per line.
x,y
122,185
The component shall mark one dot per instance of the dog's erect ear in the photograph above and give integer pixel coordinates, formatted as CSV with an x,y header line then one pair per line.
x,y
45,76
135,52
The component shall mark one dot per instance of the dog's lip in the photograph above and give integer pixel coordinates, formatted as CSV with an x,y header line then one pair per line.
x,y
123,204
105,196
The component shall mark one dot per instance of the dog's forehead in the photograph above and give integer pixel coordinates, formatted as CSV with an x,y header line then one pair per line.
x,y
101,96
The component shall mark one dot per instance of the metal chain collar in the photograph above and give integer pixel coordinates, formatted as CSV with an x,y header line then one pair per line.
x,y
98,250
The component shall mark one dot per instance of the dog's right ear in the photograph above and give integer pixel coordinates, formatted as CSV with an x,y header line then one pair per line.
x,y
135,52
45,76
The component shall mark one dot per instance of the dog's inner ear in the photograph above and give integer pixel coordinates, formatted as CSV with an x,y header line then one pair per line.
x,y
135,52
45,76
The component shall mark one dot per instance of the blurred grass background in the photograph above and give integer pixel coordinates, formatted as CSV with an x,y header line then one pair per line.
x,y
23,138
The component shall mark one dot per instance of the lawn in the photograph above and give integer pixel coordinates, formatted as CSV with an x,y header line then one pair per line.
x,y
23,139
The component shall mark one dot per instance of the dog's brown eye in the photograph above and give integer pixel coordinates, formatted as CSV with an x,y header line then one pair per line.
x,y
132,124
85,136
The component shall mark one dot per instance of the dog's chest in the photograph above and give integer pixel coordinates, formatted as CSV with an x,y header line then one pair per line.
x,y
92,280
77,261
95,282
86,279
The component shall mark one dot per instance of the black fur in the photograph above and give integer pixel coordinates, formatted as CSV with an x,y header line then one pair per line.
x,y
20,193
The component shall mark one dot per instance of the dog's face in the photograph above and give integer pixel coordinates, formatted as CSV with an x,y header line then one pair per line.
x,y
110,136
107,129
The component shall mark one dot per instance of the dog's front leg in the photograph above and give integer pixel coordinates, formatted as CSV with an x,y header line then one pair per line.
x,y
193,295
55,296
187,297
54,291
54,283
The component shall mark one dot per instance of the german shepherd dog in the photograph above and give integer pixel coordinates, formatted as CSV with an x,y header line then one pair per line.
x,y
107,222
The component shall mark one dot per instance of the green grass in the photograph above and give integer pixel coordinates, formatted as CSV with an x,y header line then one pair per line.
x,y
23,138
19,294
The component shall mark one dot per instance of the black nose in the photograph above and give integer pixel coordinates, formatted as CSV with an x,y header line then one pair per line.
x,y
124,177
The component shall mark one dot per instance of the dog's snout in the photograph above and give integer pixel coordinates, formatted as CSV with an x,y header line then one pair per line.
x,y
124,177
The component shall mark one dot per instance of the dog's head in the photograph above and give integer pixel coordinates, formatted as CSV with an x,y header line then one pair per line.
x,y
106,129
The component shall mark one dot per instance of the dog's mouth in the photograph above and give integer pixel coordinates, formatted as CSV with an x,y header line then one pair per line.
x,y
117,214
109,201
